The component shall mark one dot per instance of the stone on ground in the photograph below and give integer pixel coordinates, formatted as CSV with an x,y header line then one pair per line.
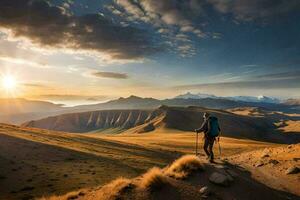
x,y
220,179
205,191
293,170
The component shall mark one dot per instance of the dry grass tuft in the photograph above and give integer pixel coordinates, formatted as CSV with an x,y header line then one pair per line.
x,y
184,166
115,189
69,196
154,179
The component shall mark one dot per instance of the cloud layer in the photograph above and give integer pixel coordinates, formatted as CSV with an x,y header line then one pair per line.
x,y
248,10
54,27
284,80
113,75
177,21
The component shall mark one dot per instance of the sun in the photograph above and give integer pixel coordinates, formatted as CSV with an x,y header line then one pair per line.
x,y
9,82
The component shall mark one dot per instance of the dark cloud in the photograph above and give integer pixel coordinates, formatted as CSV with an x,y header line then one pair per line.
x,y
110,75
53,26
255,9
169,17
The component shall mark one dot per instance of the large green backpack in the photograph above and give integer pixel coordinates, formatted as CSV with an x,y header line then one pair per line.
x,y
213,127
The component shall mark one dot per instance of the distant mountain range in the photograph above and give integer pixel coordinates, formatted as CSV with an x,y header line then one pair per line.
x,y
18,111
259,99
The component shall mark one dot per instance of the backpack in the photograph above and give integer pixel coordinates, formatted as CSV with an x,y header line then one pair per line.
x,y
213,127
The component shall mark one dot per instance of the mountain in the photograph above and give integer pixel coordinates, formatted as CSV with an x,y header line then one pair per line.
x,y
295,102
258,99
134,102
96,120
17,111
177,118
14,106
131,102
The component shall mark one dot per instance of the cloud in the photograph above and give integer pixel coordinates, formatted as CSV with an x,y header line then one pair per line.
x,y
113,75
68,97
34,85
248,10
54,27
23,61
284,80
295,75
169,17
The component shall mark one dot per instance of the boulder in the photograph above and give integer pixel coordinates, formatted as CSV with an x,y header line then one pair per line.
x,y
220,179
232,173
205,191
292,170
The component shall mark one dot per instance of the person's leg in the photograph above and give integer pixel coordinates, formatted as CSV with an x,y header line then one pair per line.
x,y
205,146
210,147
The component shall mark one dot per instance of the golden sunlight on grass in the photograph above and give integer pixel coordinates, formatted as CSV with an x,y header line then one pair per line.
x,y
184,166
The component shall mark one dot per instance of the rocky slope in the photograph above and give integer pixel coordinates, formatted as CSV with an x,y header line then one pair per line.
x,y
278,167
96,120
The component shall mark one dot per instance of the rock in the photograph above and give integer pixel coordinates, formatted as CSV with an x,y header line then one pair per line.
x,y
221,167
259,164
232,173
274,162
265,155
220,179
205,191
292,170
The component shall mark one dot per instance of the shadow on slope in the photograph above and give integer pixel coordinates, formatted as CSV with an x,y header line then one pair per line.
x,y
34,163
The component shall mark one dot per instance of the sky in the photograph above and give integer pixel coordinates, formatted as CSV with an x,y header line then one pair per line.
x,y
89,51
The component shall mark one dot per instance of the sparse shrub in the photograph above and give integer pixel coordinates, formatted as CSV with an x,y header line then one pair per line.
x,y
153,179
184,166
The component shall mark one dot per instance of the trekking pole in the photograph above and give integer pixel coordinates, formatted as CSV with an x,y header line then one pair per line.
x,y
196,143
220,152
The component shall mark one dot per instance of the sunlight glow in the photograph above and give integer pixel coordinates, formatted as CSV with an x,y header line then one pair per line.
x,y
9,82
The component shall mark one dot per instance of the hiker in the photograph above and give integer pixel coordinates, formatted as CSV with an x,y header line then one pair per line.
x,y
211,130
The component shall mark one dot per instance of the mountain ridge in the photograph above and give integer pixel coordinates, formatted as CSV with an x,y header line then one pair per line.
x,y
177,118
41,109
253,99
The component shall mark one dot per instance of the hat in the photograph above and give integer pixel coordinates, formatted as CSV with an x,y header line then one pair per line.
x,y
205,115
